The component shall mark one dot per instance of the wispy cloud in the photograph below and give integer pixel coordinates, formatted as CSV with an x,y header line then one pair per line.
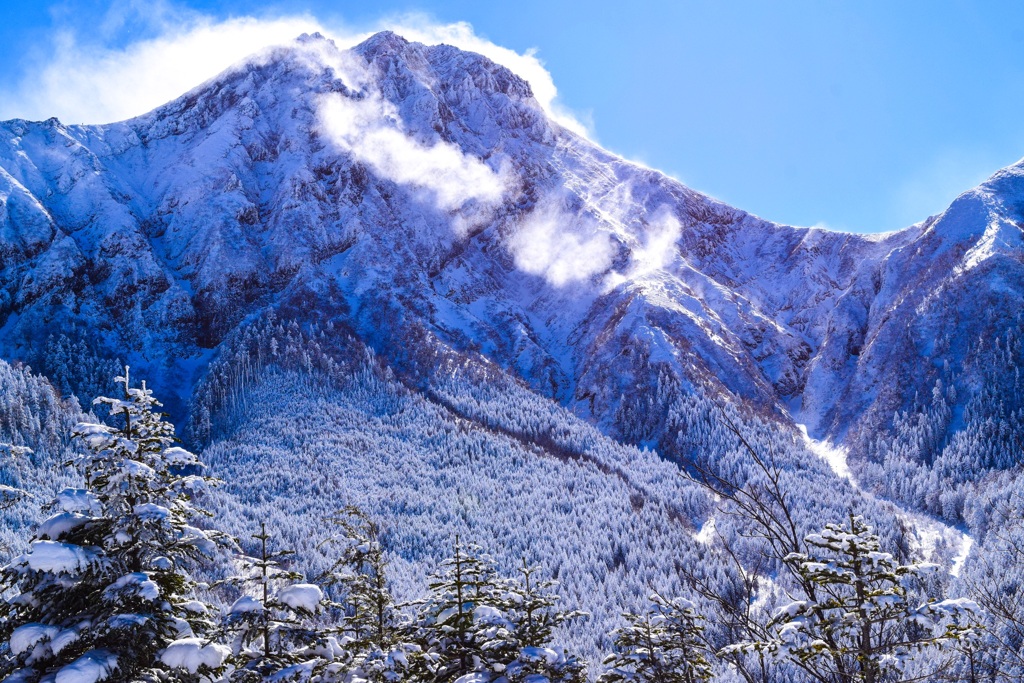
x,y
560,246
656,251
370,129
96,76
86,81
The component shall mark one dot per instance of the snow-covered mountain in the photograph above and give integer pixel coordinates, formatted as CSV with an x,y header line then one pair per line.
x,y
421,192
383,275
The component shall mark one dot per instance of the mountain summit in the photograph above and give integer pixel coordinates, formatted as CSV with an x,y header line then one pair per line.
x,y
409,189
385,276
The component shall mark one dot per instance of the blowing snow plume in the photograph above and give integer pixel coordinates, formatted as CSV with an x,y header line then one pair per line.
x,y
656,251
561,247
370,129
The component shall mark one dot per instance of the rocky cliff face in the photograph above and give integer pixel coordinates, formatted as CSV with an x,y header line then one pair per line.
x,y
419,198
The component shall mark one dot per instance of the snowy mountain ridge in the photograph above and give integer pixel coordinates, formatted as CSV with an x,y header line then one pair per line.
x,y
385,277
420,195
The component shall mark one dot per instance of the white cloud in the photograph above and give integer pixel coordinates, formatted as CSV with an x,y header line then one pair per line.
x,y
370,130
528,66
656,252
86,78
561,247
567,248
659,246
84,82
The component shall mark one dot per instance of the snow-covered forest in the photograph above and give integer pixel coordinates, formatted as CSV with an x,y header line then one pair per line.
x,y
521,411
726,570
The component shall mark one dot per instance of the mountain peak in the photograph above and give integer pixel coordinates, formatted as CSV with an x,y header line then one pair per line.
x,y
383,41
315,37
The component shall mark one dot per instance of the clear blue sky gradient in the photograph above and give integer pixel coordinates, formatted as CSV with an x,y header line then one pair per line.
x,y
863,116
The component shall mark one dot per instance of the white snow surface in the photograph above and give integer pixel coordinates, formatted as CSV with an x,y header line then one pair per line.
x,y
485,614
545,654
77,500
26,637
60,524
932,539
246,603
966,544
195,607
178,456
50,556
480,677
93,666
706,533
136,584
936,541
834,455
304,596
192,654
152,511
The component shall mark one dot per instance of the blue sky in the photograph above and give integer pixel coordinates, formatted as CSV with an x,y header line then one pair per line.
x,y
864,116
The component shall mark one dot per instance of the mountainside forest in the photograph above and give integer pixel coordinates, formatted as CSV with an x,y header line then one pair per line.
x,y
407,382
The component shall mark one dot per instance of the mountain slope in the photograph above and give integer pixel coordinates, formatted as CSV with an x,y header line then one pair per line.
x,y
419,197
384,276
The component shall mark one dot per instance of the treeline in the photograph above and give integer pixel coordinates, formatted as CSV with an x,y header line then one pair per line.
x,y
934,454
108,591
429,477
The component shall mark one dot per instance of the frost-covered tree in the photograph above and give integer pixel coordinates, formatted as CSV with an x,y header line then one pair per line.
x,y
456,620
375,640
665,644
859,622
370,618
477,623
523,641
105,590
993,576
269,628
531,604
10,495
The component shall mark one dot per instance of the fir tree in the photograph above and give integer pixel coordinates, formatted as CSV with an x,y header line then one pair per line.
x,y
270,633
478,623
361,573
522,642
860,622
375,642
454,621
665,644
105,587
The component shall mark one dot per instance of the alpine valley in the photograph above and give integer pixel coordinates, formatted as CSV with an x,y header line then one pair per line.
x,y
384,276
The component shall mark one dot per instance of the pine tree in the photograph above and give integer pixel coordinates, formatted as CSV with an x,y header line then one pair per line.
x,y
663,645
454,621
374,639
860,623
522,642
105,587
270,633
361,573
